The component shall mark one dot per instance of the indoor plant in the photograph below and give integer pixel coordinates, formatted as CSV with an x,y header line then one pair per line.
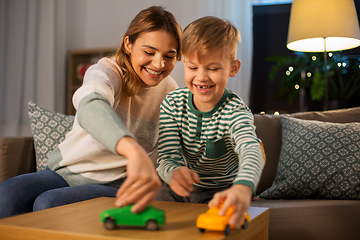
x,y
305,72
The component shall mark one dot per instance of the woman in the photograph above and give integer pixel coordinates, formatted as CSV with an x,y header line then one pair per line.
x,y
115,129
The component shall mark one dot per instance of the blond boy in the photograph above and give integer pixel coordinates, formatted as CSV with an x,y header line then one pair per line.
x,y
208,149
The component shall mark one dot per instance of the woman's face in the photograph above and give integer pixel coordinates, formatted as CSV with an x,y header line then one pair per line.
x,y
153,55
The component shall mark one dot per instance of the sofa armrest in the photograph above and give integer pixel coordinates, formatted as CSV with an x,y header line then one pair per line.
x,y
17,156
268,129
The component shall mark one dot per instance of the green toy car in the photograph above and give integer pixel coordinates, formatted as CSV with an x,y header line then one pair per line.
x,y
151,218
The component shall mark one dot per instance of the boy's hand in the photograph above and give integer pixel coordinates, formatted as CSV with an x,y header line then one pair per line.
x,y
182,181
238,196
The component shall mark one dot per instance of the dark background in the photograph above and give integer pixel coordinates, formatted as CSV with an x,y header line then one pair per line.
x,y
270,27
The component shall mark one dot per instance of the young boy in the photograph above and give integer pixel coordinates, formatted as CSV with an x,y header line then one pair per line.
x,y
208,149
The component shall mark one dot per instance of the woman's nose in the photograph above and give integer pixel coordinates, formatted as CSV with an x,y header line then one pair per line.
x,y
159,62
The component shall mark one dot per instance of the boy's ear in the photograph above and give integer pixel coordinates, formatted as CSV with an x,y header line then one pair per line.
x,y
235,67
127,45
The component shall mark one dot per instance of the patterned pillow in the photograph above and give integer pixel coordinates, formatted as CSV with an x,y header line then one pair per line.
x,y
318,160
48,129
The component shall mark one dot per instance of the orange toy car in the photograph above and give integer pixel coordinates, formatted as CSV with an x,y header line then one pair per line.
x,y
211,220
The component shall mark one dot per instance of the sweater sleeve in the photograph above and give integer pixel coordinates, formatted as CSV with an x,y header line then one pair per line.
x,y
100,120
94,102
170,157
251,161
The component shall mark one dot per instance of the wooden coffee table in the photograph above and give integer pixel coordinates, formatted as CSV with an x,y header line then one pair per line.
x,y
81,221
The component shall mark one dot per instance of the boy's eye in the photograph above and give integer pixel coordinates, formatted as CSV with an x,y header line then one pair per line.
x,y
192,68
214,69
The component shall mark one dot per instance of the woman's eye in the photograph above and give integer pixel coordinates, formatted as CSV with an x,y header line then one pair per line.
x,y
170,57
148,53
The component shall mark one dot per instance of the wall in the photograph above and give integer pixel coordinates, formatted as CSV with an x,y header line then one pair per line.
x,y
93,24
97,24
36,36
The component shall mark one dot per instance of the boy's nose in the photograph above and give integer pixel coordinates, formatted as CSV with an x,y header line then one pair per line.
x,y
201,75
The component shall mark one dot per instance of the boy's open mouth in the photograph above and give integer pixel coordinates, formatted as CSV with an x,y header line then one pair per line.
x,y
203,87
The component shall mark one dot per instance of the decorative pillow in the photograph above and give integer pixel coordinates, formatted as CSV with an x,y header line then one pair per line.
x,y
318,160
48,129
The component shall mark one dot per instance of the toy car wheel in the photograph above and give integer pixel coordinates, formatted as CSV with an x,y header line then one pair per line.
x,y
109,223
227,230
201,230
152,225
245,225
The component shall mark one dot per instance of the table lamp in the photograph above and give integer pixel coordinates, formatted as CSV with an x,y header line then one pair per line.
x,y
323,26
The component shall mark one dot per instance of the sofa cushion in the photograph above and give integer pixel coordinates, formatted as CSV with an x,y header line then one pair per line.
x,y
268,129
48,129
318,160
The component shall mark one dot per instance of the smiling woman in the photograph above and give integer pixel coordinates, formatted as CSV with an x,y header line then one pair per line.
x,y
113,141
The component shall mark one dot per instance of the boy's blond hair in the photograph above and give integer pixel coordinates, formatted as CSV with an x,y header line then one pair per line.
x,y
210,33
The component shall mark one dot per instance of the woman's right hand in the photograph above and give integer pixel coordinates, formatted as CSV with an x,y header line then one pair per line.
x,y
142,182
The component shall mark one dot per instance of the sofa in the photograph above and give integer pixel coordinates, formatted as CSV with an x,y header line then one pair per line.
x,y
299,209
314,216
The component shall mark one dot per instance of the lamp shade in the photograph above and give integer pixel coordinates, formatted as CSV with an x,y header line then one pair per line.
x,y
323,25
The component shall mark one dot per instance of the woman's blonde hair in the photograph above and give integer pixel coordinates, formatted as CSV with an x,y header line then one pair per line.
x,y
210,33
151,19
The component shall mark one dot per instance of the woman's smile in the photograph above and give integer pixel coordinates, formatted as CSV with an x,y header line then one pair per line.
x,y
153,72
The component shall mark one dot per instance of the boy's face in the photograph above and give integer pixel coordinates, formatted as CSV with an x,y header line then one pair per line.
x,y
207,78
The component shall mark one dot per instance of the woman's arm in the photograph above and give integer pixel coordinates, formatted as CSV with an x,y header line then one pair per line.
x,y
94,101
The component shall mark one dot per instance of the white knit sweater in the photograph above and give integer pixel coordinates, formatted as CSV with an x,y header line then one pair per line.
x,y
87,155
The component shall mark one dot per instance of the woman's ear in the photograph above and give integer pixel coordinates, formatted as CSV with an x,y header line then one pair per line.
x,y
235,67
127,45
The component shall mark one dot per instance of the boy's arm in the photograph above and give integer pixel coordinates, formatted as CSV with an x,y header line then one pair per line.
x,y
248,148
251,163
169,149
